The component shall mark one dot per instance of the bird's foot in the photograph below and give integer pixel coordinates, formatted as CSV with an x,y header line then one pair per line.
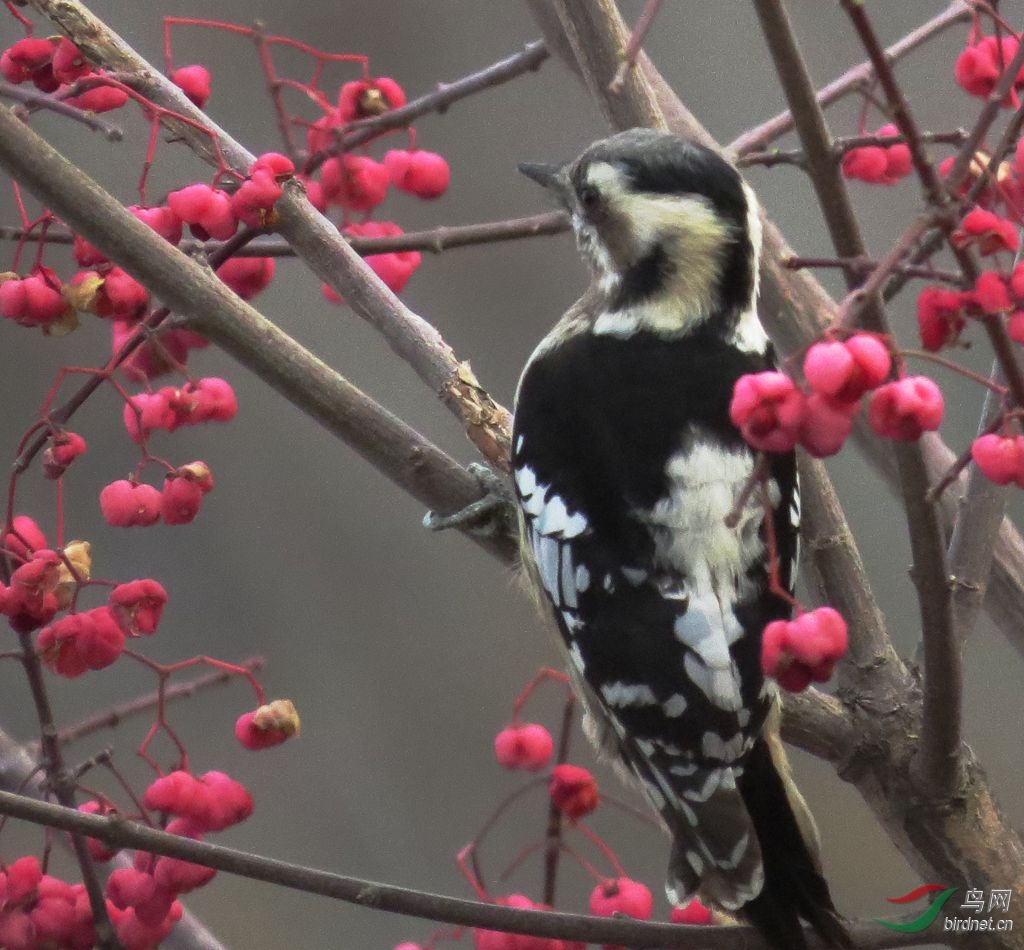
x,y
492,513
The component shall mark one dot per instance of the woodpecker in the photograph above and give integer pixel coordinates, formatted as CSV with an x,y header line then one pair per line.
x,y
625,467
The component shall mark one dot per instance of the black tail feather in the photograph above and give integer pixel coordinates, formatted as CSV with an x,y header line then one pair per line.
x,y
794,888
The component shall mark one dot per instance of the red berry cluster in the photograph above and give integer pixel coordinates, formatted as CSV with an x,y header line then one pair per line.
x,y
805,650
982,63
38,910
878,164
775,415
358,183
53,65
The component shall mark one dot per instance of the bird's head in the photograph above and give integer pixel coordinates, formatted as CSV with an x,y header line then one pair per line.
x,y
663,222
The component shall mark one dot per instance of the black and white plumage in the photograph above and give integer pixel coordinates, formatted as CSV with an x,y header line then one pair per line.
x,y
626,465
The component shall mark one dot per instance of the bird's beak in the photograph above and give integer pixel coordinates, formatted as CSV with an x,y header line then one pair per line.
x,y
548,176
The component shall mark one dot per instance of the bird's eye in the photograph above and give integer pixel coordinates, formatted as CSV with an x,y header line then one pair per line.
x,y
589,197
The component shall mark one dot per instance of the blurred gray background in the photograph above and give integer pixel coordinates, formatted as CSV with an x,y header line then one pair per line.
x,y
403,650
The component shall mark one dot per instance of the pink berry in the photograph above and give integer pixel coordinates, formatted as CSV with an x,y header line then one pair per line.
x,y
419,172
180,500
280,166
355,182
68,62
125,504
127,887
98,849
101,98
267,726
138,605
146,412
33,301
207,211
23,877
26,57
528,746
979,67
194,81
694,913
16,930
573,791
803,650
247,276
990,293
65,447
161,219
940,317
121,296
879,165
369,97
826,424
253,202
987,231
180,877
847,370
906,408
768,410
621,896
24,537
1000,459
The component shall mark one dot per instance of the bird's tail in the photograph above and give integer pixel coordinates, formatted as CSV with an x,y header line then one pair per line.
x,y
794,888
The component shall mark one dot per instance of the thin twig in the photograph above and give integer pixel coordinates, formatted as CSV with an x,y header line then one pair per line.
x,y
841,146
61,781
433,240
358,133
635,44
867,265
115,715
32,99
114,831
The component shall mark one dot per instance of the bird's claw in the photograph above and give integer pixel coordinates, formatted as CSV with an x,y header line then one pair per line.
x,y
487,515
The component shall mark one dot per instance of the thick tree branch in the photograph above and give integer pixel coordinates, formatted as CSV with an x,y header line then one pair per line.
x,y
972,544
114,830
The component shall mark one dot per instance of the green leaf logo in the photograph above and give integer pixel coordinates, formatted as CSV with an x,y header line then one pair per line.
x,y
919,923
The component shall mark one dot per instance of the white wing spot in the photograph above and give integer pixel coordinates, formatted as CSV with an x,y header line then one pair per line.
x,y
526,480
547,556
708,789
628,694
713,746
582,578
674,706
634,575
719,685
733,861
